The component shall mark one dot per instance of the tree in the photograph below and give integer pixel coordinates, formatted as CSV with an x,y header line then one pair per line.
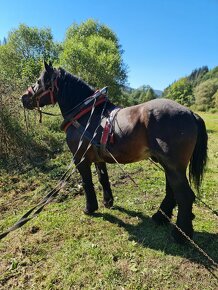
x,y
213,73
149,95
20,63
92,51
197,75
206,94
22,54
181,92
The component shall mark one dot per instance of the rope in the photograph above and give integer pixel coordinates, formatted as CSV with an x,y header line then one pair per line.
x,y
189,239
33,212
51,195
198,198
215,264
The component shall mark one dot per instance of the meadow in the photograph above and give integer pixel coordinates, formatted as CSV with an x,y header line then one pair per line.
x,y
119,248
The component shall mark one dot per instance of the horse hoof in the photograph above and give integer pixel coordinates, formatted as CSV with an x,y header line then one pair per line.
x,y
159,219
180,238
109,203
89,211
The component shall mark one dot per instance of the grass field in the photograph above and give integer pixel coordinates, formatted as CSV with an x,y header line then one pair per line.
x,y
118,248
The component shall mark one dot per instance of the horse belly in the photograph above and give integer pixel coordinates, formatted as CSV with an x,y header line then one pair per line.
x,y
131,148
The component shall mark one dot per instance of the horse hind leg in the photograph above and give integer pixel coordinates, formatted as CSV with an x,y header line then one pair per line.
x,y
166,206
104,180
184,197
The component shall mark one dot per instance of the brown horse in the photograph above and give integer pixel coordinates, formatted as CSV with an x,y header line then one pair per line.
x,y
161,129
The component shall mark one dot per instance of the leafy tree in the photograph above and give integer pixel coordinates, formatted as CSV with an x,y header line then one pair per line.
x,y
92,51
181,92
197,75
149,95
206,94
136,96
213,73
20,63
22,54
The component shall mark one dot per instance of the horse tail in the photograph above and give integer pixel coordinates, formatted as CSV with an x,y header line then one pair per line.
x,y
199,157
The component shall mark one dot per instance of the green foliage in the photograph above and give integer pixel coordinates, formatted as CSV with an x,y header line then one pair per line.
x,y
197,75
212,74
113,249
181,92
198,89
92,51
150,95
22,55
206,94
137,96
20,63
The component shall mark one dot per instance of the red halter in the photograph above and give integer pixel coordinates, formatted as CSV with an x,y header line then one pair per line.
x,y
50,91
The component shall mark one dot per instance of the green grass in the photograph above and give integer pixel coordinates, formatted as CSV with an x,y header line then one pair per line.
x,y
118,248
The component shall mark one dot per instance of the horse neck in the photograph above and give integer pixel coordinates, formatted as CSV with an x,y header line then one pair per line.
x,y
72,91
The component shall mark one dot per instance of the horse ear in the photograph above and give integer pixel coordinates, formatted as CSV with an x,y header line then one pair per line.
x,y
48,67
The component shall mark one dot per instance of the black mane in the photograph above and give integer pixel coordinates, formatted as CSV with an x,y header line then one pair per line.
x,y
72,91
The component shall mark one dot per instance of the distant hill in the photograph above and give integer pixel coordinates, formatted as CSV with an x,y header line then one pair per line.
x,y
159,93
131,90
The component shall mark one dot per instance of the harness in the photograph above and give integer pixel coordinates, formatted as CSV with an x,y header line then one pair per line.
x,y
99,97
107,134
86,106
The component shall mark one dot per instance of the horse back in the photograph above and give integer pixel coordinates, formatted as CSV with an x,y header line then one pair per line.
x,y
158,128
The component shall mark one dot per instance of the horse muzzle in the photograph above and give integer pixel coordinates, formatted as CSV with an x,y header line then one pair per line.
x,y
27,102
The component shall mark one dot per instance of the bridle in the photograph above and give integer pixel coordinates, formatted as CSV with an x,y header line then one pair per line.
x,y
52,91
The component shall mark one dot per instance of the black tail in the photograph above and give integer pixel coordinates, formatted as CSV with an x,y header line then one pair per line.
x,y
199,157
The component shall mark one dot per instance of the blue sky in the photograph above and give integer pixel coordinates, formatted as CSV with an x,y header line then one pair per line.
x,y
163,40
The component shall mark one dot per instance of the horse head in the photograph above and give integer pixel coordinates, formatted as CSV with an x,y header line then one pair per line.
x,y
44,90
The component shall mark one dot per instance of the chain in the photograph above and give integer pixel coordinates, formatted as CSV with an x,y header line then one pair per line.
x,y
215,264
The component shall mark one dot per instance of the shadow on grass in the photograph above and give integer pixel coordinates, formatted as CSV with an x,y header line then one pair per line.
x,y
149,235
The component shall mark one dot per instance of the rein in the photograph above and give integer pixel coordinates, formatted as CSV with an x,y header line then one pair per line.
x,y
34,211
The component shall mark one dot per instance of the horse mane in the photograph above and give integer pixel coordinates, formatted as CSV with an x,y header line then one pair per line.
x,y
74,79
73,90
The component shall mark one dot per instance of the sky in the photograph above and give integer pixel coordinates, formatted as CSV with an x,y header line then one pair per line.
x,y
162,40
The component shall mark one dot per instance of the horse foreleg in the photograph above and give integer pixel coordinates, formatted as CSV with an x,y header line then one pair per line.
x,y
86,174
104,180
184,197
166,206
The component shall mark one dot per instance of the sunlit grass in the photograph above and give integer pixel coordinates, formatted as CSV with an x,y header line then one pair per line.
x,y
118,248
